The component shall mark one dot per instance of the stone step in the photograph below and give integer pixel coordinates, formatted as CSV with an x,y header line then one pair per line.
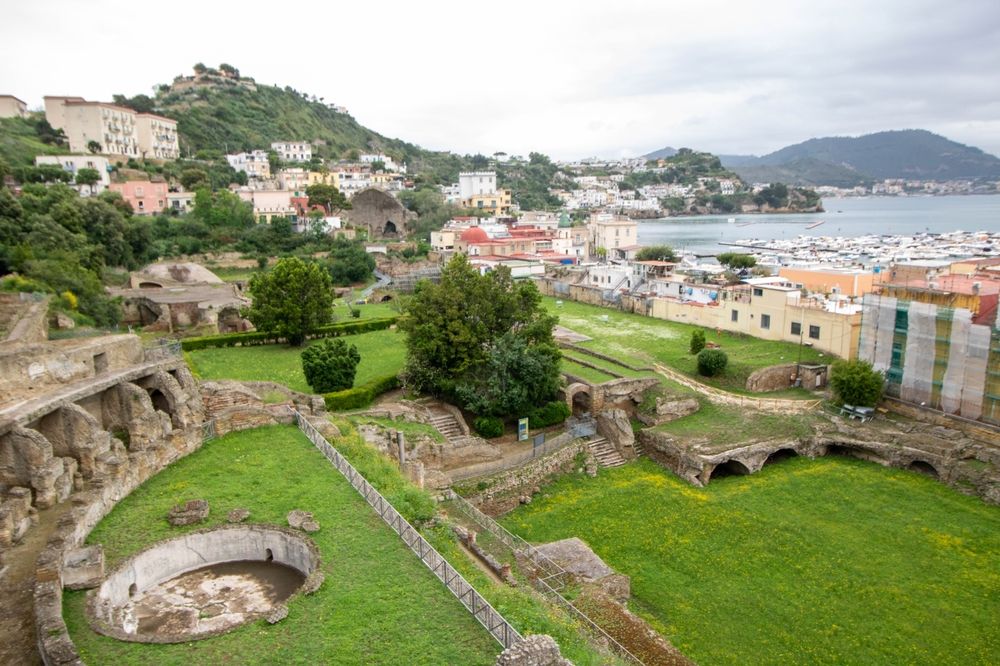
x,y
605,454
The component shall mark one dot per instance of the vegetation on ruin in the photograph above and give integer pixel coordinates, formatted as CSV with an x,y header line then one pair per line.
x,y
640,340
419,621
717,426
382,353
833,560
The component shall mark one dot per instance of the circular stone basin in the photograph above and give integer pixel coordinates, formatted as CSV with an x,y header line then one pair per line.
x,y
202,584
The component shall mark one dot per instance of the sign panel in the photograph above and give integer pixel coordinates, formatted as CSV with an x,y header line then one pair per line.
x,y
522,430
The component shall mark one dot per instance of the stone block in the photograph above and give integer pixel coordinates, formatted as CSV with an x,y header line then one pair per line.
x,y
238,515
297,517
83,568
192,511
537,650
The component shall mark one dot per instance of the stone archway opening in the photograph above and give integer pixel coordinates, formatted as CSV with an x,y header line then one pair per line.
x,y
386,298
728,468
854,452
922,467
389,229
780,455
160,402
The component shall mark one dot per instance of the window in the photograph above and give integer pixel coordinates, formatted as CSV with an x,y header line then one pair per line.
x,y
757,291
734,315
814,332
138,191
765,321
796,328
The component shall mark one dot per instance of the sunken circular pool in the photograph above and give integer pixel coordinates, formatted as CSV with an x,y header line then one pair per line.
x,y
202,584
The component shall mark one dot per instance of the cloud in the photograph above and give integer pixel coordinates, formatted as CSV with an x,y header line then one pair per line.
x,y
587,78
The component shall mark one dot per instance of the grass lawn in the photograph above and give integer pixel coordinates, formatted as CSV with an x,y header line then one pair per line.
x,y
378,605
828,561
582,371
642,340
382,353
724,425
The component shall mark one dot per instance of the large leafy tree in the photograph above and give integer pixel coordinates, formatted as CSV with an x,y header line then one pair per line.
x,y
349,263
856,383
327,196
470,327
291,299
656,253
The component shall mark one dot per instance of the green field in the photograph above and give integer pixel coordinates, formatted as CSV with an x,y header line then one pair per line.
x,y
827,561
378,605
382,353
725,425
641,340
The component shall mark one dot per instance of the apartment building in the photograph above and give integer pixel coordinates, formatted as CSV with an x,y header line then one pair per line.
x,y
118,131
12,107
844,281
145,197
293,151
73,163
611,231
254,164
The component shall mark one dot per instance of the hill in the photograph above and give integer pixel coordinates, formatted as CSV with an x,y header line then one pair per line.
x,y
660,154
806,171
913,154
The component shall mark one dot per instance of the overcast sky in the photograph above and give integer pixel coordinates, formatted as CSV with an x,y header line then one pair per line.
x,y
570,79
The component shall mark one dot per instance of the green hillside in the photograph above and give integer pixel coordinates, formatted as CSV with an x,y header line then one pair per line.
x,y
804,171
20,142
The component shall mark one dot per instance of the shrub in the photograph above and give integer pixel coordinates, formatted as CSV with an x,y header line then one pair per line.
x,y
548,415
488,426
360,396
697,341
330,365
711,362
856,383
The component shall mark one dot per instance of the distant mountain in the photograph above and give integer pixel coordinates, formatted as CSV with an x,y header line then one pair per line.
x,y
914,154
806,171
661,154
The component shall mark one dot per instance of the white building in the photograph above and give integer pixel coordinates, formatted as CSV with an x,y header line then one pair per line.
x,y
390,165
254,164
73,163
12,107
116,129
293,151
472,183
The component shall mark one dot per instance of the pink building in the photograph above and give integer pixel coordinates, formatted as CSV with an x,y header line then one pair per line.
x,y
146,198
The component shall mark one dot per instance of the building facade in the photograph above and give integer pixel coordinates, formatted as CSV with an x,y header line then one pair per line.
x,y
12,107
293,151
254,164
145,197
118,131
609,232
73,163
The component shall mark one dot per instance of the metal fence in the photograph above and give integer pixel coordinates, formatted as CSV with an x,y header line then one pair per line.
x,y
551,578
161,350
474,602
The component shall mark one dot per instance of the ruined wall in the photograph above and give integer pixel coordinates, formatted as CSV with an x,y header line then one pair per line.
x,y
505,490
233,405
31,370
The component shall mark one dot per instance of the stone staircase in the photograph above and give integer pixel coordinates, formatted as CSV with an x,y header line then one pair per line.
x,y
605,454
446,424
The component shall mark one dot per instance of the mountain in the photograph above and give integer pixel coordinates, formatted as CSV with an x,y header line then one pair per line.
x,y
661,154
804,171
912,154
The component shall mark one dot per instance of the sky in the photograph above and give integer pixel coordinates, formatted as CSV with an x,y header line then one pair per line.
x,y
569,79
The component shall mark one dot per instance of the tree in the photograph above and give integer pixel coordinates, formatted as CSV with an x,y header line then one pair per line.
x,y
194,178
349,263
656,253
470,326
88,177
856,383
327,196
94,146
697,341
291,299
711,362
330,365
774,195
735,261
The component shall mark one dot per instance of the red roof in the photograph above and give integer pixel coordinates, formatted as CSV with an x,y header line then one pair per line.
x,y
474,235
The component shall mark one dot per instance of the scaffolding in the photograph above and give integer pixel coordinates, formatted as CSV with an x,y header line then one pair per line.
x,y
933,356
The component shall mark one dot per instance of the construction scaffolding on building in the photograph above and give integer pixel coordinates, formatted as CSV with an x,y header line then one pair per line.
x,y
933,356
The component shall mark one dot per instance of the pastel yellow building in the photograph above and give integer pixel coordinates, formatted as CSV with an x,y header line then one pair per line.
x,y
497,202
847,282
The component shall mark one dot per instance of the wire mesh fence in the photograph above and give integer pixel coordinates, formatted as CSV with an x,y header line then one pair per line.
x,y
475,603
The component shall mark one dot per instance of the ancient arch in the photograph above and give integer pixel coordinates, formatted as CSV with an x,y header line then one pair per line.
x,y
127,412
726,468
75,433
924,467
579,396
26,460
854,451
167,395
380,213
779,455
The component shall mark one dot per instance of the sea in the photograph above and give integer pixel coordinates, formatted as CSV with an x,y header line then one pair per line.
x,y
853,216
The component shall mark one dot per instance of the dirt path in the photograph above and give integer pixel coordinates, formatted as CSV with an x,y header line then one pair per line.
x,y
17,622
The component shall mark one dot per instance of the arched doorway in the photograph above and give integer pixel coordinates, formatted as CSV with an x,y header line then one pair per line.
x,y
779,455
922,467
728,468
390,228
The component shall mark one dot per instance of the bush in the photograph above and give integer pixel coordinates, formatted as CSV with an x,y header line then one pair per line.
x,y
697,341
551,414
711,362
856,383
360,396
330,365
488,426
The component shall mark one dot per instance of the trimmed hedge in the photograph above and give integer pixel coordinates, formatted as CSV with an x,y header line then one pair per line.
x,y
259,338
550,414
360,396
